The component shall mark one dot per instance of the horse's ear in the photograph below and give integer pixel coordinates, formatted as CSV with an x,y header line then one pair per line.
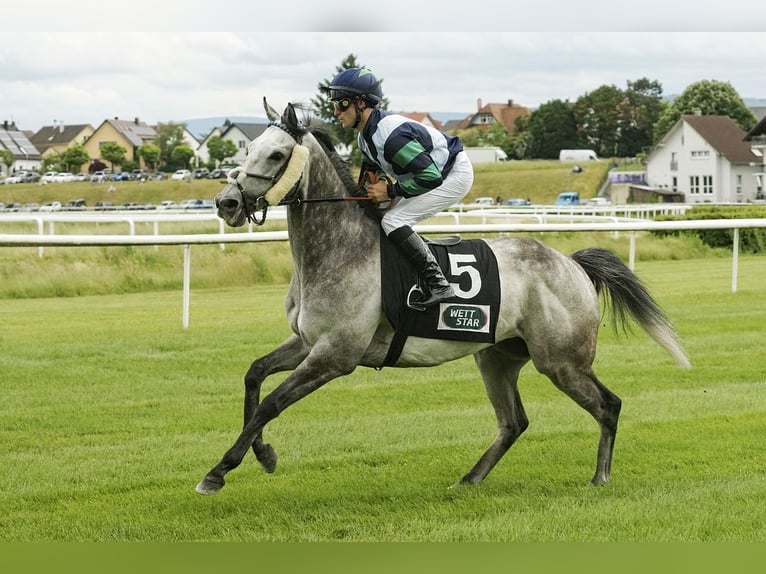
x,y
290,118
271,113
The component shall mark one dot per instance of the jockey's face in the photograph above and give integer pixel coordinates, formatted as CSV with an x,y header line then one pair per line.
x,y
345,111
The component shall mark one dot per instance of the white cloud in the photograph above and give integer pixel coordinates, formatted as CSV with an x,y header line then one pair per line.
x,y
162,76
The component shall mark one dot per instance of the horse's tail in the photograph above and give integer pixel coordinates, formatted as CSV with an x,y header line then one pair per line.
x,y
624,293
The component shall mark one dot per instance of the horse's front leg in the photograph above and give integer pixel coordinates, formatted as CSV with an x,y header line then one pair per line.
x,y
286,357
320,367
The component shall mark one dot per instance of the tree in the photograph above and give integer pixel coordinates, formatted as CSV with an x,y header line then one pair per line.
x,y
169,136
598,119
74,157
181,156
640,110
7,158
710,98
220,149
552,127
114,153
326,112
150,153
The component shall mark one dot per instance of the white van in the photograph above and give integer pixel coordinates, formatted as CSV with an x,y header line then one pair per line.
x,y
577,155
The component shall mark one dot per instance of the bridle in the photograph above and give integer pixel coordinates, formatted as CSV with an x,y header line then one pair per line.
x,y
260,203
291,197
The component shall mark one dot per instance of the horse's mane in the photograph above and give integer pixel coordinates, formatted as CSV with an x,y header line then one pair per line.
x,y
341,166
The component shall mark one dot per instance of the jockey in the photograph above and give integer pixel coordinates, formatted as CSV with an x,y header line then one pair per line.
x,y
424,168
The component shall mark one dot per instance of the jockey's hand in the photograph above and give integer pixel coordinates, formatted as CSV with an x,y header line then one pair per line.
x,y
378,191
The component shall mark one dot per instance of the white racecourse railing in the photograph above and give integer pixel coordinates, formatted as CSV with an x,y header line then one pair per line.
x,y
39,240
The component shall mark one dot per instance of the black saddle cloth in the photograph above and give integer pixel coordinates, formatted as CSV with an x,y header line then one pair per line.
x,y
471,315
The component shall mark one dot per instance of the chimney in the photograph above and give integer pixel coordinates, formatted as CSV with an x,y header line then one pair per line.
x,y
510,103
61,127
698,112
478,104
136,120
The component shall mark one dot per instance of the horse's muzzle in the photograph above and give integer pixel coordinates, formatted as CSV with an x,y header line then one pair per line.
x,y
230,207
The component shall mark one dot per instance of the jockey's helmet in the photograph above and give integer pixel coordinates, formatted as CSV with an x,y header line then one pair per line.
x,y
357,83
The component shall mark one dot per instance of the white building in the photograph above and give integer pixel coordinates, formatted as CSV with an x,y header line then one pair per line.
x,y
707,160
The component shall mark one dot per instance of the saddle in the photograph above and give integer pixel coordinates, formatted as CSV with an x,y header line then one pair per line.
x,y
471,315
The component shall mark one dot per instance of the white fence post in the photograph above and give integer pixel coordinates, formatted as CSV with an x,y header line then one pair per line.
x,y
187,285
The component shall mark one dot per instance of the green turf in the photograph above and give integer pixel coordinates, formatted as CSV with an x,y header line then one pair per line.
x,y
112,412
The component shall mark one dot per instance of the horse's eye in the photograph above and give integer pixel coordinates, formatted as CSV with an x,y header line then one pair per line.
x,y
277,156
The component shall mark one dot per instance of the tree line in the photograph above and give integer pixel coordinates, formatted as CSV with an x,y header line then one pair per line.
x,y
613,122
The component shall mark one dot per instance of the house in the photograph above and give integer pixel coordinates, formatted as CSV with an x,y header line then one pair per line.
x,y
706,159
756,137
240,133
25,155
129,134
491,114
424,118
202,152
55,139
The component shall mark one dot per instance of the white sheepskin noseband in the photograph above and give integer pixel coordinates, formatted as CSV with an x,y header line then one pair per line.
x,y
290,177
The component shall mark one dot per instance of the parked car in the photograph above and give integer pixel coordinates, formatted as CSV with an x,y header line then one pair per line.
x,y
484,201
138,175
599,201
182,175
48,176
74,205
517,201
568,198
218,173
51,206
201,173
168,204
104,206
12,207
121,176
31,207
23,177
81,177
63,177
197,204
98,176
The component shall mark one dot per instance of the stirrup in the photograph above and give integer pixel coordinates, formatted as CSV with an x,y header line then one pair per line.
x,y
418,292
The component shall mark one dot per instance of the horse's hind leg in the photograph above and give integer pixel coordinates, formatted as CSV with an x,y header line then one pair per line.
x,y
582,386
284,358
500,368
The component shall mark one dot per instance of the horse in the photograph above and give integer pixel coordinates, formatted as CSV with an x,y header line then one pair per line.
x,y
549,311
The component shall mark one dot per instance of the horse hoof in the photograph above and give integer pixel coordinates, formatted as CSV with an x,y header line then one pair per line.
x,y
207,487
267,456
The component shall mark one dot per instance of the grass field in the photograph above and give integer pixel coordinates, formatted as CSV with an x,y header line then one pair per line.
x,y
541,181
112,412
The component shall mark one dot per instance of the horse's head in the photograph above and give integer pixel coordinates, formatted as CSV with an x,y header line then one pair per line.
x,y
273,168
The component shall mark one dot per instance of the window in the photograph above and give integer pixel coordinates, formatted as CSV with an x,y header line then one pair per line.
x,y
739,184
675,183
694,184
707,184
242,144
700,154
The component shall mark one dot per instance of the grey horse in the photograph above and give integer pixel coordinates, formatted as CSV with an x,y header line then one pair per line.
x,y
549,307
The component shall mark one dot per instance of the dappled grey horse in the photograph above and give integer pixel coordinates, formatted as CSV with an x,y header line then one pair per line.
x,y
549,309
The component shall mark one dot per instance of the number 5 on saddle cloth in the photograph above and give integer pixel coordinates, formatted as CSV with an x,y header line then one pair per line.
x,y
470,266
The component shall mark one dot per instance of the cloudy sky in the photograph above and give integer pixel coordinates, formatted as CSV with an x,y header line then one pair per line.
x,y
184,72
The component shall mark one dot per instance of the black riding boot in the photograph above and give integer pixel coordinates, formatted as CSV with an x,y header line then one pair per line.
x,y
415,249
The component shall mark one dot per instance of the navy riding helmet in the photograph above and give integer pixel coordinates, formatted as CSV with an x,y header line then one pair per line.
x,y
356,83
